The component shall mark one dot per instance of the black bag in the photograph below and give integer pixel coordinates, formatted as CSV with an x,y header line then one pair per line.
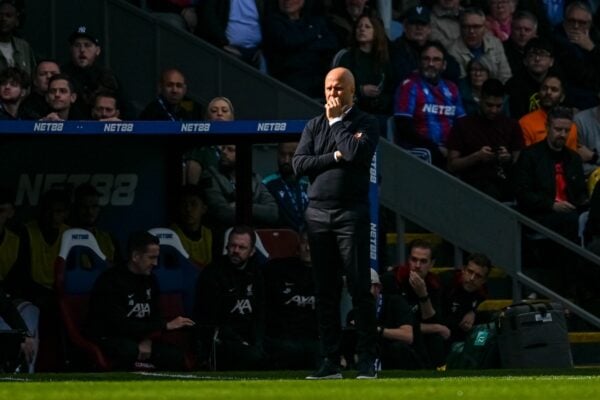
x,y
478,351
534,335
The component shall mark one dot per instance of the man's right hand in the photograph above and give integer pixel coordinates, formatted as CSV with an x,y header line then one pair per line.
x,y
144,349
333,108
486,154
51,117
179,322
563,207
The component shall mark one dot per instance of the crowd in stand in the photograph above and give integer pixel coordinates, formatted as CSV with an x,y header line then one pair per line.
x,y
506,99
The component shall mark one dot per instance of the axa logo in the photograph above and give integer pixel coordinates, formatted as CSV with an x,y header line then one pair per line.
x,y
139,310
302,301
242,307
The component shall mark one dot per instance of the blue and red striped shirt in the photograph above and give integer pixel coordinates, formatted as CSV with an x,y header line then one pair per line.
x,y
434,108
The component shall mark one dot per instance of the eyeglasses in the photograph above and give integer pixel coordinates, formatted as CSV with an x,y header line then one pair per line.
x,y
432,59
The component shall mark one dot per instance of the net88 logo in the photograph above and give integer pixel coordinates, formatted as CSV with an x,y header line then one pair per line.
x,y
114,189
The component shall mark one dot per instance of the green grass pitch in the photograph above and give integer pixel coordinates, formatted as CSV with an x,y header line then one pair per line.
x,y
574,384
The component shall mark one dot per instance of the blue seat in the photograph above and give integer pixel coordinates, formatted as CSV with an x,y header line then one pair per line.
x,y
77,267
176,274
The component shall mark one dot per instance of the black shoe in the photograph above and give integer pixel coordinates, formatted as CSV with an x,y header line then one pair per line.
x,y
327,370
366,370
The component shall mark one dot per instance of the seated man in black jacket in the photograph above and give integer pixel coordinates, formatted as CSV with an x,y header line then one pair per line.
x,y
230,306
124,316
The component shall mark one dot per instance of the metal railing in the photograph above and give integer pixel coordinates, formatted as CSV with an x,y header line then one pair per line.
x,y
466,218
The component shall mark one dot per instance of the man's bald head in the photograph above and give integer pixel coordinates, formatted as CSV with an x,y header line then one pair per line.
x,y
339,83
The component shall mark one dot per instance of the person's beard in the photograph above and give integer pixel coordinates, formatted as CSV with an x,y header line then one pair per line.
x,y
286,171
226,168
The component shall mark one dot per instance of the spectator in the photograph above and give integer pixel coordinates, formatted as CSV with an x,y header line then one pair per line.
x,y
465,291
234,26
422,290
86,73
221,194
588,135
26,316
292,339
172,103
181,14
61,97
523,29
106,107
298,47
478,71
288,190
32,276
524,87
343,19
534,124
395,322
14,84
405,51
578,55
196,238
35,106
499,19
475,42
369,61
482,148
14,51
427,106
84,215
9,239
124,316
230,306
445,26
199,159
549,181
10,319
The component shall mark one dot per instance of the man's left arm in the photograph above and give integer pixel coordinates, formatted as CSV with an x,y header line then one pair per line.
x,y
357,142
307,161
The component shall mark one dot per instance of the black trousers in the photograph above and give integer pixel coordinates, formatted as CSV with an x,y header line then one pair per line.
x,y
339,246
123,353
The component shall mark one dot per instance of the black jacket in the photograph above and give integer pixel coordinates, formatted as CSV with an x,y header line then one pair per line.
x,y
124,304
231,300
535,185
345,182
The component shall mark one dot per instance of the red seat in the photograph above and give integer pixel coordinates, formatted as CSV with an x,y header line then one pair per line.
x,y
280,243
77,267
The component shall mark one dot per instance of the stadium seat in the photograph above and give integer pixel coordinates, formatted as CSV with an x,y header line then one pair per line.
x,y
177,277
279,243
176,273
77,267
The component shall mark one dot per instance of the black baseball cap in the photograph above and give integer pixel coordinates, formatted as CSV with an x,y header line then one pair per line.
x,y
84,32
418,14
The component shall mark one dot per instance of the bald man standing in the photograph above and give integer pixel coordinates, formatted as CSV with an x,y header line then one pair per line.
x,y
335,152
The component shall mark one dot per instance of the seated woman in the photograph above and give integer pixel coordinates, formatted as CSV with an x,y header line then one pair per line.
x,y
195,161
478,72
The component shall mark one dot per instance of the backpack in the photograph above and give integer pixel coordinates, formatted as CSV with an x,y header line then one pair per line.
x,y
478,351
